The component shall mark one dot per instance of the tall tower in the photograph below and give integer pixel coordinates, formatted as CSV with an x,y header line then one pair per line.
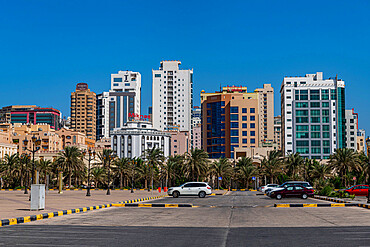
x,y
313,115
172,99
116,107
83,107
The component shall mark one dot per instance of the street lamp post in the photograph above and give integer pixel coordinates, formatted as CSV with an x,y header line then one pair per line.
x,y
133,174
91,157
35,147
109,159
27,174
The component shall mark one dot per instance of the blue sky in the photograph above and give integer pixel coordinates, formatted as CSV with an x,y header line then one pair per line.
x,y
46,47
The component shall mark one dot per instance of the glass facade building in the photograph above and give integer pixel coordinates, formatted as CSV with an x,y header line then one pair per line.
x,y
313,115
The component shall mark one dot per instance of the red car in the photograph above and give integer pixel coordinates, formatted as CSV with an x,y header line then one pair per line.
x,y
358,190
292,191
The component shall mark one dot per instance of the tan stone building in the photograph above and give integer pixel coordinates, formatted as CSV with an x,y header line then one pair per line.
x,y
50,140
277,131
103,143
235,118
197,136
180,142
83,111
6,147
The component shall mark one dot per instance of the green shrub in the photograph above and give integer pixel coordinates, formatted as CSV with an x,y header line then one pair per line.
x,y
326,190
333,194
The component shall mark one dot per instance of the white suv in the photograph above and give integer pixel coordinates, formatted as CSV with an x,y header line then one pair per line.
x,y
200,189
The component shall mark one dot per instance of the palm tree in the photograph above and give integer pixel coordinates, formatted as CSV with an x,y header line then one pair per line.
x,y
70,159
171,168
155,158
45,166
221,168
11,168
98,174
145,172
196,164
271,164
120,166
344,160
293,163
246,173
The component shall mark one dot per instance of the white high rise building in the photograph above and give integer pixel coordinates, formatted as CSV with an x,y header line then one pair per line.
x,y
115,108
351,129
313,115
172,100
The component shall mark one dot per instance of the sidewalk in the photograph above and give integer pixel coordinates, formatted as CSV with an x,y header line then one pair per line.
x,y
16,204
356,200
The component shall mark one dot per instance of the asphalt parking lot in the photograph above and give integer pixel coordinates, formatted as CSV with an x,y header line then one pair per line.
x,y
235,219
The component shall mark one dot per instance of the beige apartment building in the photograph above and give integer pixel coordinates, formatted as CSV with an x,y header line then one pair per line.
x,y
50,140
277,131
197,136
180,142
6,147
83,107
233,118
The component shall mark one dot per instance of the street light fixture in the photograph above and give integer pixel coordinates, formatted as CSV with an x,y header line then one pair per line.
x,y
91,157
27,158
133,174
35,147
110,157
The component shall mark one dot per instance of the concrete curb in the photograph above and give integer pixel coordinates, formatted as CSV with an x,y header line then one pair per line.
x,y
302,205
330,199
74,189
151,205
26,219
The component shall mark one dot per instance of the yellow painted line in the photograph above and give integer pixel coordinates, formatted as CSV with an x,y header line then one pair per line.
x,y
27,219
282,205
242,189
171,206
39,217
60,213
69,211
19,189
118,205
84,209
77,210
145,205
91,208
50,215
310,205
12,221
213,194
233,189
10,189
338,205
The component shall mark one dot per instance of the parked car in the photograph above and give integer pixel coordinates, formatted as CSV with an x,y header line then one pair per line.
x,y
267,186
357,190
200,189
286,184
292,191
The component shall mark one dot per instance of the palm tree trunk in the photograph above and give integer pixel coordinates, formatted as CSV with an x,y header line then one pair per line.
x,y
121,180
70,179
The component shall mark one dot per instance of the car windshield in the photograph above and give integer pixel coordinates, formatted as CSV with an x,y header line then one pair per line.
x,y
351,187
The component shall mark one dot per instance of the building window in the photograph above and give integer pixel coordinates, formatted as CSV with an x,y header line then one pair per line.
x,y
157,75
253,133
117,79
253,125
234,109
234,125
244,110
252,118
253,141
244,125
234,139
244,118
252,110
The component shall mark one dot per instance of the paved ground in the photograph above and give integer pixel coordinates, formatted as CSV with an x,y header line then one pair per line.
x,y
16,203
236,219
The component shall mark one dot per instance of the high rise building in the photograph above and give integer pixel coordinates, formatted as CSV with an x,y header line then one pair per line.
x,y
31,114
116,107
313,115
265,112
230,119
361,140
83,111
196,117
277,131
172,100
351,126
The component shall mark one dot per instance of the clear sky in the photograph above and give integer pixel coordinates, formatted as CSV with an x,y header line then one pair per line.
x,y
46,47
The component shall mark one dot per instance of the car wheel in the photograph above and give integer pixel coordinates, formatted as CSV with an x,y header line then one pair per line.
x,y
278,197
175,194
202,194
304,196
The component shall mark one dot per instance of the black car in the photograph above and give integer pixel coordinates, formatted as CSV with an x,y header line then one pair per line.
x,y
284,185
